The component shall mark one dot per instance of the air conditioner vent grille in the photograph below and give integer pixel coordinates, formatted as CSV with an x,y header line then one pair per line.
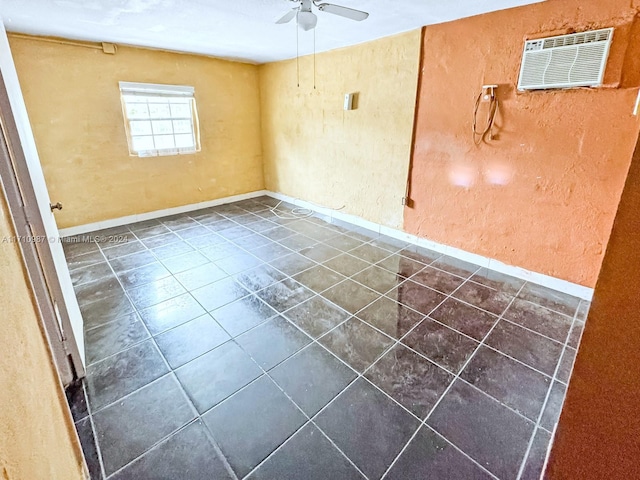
x,y
577,39
576,60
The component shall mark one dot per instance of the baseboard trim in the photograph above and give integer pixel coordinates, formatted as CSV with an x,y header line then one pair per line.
x,y
560,285
117,222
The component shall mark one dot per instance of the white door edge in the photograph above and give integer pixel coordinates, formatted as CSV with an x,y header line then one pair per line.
x,y
27,140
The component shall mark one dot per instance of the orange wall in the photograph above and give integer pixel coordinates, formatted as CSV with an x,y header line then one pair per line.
x,y
543,195
598,434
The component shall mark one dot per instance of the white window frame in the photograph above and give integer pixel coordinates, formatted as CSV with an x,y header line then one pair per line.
x,y
157,128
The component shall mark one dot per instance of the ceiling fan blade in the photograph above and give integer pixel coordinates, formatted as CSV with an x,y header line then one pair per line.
x,y
287,17
343,11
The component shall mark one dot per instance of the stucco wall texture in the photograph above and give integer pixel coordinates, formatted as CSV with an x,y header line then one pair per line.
x,y
597,435
543,194
73,101
37,437
355,161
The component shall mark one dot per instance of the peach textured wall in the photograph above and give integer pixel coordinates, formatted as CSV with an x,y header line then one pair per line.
x,y
73,101
37,439
598,435
543,195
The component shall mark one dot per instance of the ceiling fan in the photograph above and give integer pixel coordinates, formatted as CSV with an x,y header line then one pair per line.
x,y
307,20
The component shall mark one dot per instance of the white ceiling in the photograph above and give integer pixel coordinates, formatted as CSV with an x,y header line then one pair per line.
x,y
237,29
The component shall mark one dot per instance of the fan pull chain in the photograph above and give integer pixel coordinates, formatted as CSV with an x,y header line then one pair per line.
x,y
314,58
298,53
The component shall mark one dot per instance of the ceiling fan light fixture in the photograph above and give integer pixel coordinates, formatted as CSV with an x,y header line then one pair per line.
x,y
307,20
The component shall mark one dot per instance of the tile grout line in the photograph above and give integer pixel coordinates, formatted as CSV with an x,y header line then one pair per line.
x,y
149,333
476,462
383,353
196,419
233,339
319,294
170,372
199,416
207,312
457,376
545,403
427,317
536,332
498,317
450,372
294,232
380,295
338,225
393,400
316,264
392,253
229,241
439,398
315,341
94,432
319,242
309,419
156,444
395,252
108,261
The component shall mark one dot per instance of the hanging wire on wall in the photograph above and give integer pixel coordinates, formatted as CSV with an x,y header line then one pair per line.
x,y
298,54
298,57
488,91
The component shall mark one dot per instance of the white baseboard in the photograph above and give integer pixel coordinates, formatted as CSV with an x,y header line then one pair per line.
x,y
560,285
117,222
533,277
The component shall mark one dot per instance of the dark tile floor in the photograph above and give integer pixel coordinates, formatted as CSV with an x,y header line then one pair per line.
x,y
232,343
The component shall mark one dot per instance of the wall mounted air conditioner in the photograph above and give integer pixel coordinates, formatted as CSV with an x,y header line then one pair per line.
x,y
576,60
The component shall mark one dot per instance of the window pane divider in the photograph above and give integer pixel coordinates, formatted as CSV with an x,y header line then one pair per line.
x,y
140,99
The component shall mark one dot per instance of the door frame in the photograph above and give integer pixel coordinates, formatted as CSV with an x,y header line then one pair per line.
x,y
35,247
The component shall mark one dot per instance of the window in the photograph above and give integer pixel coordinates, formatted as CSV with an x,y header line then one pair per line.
x,y
160,119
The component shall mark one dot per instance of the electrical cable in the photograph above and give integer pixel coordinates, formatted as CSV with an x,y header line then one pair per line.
x,y
297,51
298,212
478,137
295,213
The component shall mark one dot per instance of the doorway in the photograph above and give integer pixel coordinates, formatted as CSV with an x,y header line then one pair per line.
x,y
39,243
